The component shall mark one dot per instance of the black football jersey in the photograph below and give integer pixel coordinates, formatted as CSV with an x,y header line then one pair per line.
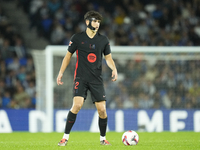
x,y
89,53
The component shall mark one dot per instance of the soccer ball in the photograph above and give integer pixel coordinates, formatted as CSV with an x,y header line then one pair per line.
x,y
130,138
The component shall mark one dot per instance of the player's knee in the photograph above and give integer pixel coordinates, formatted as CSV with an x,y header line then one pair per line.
x,y
76,107
102,113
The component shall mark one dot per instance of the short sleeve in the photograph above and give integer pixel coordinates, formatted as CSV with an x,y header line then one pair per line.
x,y
72,45
107,49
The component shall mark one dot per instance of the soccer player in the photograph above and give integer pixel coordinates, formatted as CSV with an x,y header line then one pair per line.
x,y
89,46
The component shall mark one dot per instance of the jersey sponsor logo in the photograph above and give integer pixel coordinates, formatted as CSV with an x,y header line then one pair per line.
x,y
70,43
92,57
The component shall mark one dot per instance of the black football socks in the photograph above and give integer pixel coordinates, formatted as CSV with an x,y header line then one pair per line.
x,y
71,118
102,126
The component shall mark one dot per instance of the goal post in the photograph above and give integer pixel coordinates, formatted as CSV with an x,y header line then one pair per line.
x,y
46,70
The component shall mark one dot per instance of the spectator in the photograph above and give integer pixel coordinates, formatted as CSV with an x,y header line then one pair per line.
x,y
21,98
167,99
148,87
30,64
54,5
31,89
6,100
177,103
144,101
195,90
2,69
130,103
57,35
2,87
19,48
13,64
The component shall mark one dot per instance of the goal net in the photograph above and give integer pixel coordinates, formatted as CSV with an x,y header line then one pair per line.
x,y
149,78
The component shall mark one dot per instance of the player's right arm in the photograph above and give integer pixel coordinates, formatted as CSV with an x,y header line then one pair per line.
x,y
64,65
71,49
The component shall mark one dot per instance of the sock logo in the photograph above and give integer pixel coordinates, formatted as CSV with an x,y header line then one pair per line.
x,y
71,121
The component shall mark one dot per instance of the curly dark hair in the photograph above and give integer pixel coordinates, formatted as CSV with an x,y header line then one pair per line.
x,y
93,14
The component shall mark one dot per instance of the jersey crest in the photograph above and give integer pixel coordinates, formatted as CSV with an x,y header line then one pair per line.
x,y
92,46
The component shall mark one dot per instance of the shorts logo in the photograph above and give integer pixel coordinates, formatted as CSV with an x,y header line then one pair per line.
x,y
92,57
70,43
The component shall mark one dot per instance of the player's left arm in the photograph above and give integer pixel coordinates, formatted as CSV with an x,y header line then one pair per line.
x,y
111,65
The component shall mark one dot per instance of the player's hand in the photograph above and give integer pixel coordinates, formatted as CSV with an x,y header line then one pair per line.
x,y
59,82
114,75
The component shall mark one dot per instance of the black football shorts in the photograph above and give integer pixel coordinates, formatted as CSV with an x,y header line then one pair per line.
x,y
80,88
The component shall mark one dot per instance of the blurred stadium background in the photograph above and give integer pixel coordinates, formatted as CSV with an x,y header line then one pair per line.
x,y
28,26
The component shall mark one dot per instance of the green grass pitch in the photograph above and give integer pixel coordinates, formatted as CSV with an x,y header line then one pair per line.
x,y
90,141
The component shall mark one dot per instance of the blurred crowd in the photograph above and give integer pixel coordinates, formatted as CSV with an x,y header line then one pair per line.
x,y
126,22
172,84
164,84
17,72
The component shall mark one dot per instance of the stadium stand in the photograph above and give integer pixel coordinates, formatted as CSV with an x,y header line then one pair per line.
x,y
127,22
17,72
